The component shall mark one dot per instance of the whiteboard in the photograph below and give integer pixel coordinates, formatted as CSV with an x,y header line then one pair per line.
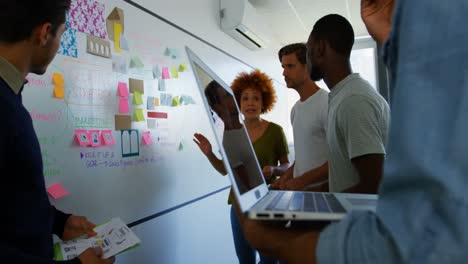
x,y
102,182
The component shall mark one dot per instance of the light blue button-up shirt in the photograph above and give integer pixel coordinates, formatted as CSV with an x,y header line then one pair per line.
x,y
422,213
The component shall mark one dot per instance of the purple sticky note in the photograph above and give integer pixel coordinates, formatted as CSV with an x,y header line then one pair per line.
x,y
57,190
123,89
123,105
165,73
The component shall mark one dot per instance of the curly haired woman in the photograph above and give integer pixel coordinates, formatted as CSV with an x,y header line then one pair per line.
x,y
255,96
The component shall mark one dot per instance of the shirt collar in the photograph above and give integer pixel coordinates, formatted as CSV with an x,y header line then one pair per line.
x,y
10,74
339,86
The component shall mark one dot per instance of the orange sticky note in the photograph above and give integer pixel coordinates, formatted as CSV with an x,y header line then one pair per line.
x,y
57,79
58,91
57,190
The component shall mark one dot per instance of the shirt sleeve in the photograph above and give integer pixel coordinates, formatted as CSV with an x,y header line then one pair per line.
x,y
359,238
60,218
359,123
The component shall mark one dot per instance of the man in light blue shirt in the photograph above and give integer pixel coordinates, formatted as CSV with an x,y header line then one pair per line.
x,y
423,199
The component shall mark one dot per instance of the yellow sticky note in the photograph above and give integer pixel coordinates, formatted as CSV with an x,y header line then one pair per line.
x,y
58,91
117,33
138,116
175,101
174,72
182,67
137,99
57,79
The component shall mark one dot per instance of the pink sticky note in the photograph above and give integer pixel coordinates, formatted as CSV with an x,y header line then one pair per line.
x,y
57,190
147,138
95,139
165,73
123,89
82,136
107,137
123,105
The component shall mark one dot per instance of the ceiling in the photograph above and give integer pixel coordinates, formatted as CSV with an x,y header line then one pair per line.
x,y
292,20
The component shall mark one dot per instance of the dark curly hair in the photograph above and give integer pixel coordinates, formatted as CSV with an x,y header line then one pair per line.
x,y
259,81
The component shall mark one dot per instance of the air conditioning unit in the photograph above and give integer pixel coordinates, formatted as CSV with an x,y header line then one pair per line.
x,y
240,20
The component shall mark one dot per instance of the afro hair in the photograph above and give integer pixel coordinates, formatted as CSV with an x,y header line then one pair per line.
x,y
259,81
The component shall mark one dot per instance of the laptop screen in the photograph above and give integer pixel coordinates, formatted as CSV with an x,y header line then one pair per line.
x,y
238,152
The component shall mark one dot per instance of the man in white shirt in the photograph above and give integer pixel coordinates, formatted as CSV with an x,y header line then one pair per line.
x,y
309,121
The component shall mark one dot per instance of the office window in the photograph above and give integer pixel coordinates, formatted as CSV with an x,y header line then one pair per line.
x,y
364,60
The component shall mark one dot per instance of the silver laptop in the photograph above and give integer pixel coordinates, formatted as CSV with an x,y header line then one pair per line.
x,y
240,161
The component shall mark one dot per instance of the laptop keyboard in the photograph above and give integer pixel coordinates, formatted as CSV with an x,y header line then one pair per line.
x,y
307,202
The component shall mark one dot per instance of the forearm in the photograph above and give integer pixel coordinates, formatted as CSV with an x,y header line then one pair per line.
x,y
216,163
317,175
281,169
370,170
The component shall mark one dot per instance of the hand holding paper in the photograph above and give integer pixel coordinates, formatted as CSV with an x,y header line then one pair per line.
x,y
77,226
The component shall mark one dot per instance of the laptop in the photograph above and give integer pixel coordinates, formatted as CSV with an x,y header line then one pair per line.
x,y
241,164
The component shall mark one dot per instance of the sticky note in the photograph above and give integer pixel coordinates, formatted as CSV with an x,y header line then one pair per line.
x,y
162,85
123,105
156,101
181,146
58,91
157,115
107,137
175,101
82,137
147,138
174,72
123,89
150,103
117,34
138,115
156,72
137,99
152,123
136,85
57,79
123,122
57,190
95,139
135,62
182,67
165,73
123,42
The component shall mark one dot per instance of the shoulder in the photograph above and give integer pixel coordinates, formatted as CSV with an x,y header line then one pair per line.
x,y
274,126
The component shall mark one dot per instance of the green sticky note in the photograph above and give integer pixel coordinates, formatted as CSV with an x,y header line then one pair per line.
x,y
175,101
135,62
182,67
174,72
137,99
139,117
